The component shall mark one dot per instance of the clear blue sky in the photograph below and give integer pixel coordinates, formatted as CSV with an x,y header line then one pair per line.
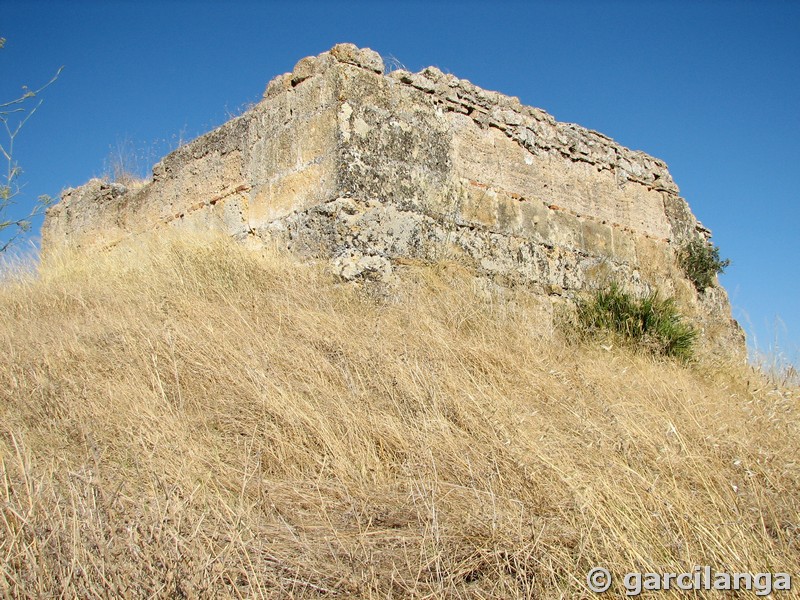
x,y
712,88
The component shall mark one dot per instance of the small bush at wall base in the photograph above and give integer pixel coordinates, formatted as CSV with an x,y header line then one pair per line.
x,y
701,262
648,322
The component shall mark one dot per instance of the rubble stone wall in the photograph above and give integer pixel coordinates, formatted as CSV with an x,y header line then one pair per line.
x,y
342,161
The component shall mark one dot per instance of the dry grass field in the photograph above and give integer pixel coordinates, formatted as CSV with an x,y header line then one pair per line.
x,y
186,419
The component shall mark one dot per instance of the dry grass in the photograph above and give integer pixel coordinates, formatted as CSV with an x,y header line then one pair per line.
x,y
189,420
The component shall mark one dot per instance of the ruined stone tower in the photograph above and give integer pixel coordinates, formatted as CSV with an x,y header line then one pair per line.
x,y
342,161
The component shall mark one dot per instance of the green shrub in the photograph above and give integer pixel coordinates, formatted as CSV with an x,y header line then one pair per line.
x,y
647,322
701,263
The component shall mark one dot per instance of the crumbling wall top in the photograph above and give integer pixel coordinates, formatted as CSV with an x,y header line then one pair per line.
x,y
532,128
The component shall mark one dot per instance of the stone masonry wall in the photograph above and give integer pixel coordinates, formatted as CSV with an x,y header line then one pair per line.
x,y
370,170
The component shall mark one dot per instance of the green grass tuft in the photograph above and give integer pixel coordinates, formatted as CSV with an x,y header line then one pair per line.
x,y
649,322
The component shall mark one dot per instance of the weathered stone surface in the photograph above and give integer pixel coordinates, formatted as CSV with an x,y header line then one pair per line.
x,y
360,57
340,161
91,208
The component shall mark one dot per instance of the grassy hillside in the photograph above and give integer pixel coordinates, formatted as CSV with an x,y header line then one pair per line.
x,y
190,420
